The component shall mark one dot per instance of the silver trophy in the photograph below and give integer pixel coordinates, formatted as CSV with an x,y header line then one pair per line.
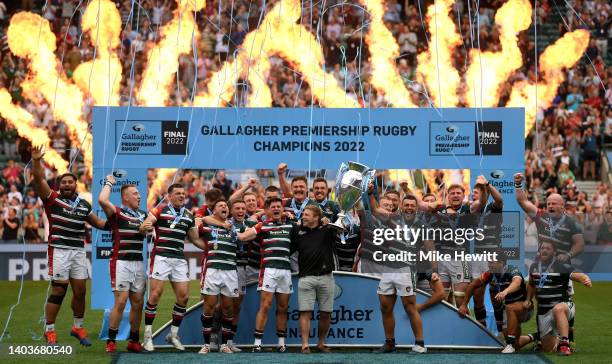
x,y
351,182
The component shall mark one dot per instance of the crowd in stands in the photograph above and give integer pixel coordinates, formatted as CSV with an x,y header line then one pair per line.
x,y
564,146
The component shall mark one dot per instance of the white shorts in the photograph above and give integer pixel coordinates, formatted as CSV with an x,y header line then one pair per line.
x,y
163,267
477,268
64,264
275,280
219,281
128,275
547,324
454,271
243,278
396,284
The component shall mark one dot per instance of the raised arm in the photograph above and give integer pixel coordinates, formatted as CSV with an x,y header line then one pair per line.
x,y
40,185
577,246
282,180
521,196
477,206
498,199
237,195
104,198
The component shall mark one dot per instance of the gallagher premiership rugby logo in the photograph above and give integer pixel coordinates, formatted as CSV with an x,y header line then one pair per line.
x,y
465,138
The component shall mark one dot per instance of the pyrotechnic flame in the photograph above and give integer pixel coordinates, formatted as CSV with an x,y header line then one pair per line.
x,y
176,40
23,122
164,175
435,66
256,74
292,42
564,53
384,50
30,37
494,68
103,22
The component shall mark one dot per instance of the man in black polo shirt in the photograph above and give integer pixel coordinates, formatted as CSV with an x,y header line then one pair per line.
x,y
315,246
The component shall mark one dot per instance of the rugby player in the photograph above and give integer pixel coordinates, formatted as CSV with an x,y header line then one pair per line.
x,y
553,225
173,223
549,279
399,282
296,194
219,275
275,275
245,275
128,279
67,262
455,275
427,278
490,220
508,285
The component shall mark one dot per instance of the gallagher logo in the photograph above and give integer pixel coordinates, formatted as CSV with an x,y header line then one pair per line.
x,y
497,174
138,127
120,173
452,129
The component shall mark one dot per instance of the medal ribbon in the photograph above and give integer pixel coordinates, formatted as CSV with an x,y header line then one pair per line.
x,y
296,211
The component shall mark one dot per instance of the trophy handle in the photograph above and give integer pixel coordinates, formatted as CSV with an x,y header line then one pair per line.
x,y
341,171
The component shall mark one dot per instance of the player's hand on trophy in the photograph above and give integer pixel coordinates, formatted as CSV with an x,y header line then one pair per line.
x,y
370,187
518,178
325,221
110,178
463,311
281,169
38,152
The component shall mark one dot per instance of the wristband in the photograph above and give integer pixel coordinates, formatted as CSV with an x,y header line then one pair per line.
x,y
108,183
518,185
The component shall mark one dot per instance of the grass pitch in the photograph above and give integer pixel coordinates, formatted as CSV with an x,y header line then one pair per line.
x,y
593,334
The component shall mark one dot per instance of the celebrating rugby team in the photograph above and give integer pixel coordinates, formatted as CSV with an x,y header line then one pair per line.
x,y
291,233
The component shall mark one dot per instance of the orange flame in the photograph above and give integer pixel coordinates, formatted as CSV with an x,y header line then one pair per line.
x,y
23,122
435,66
295,44
176,40
159,185
384,50
564,53
65,99
492,69
256,74
103,22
